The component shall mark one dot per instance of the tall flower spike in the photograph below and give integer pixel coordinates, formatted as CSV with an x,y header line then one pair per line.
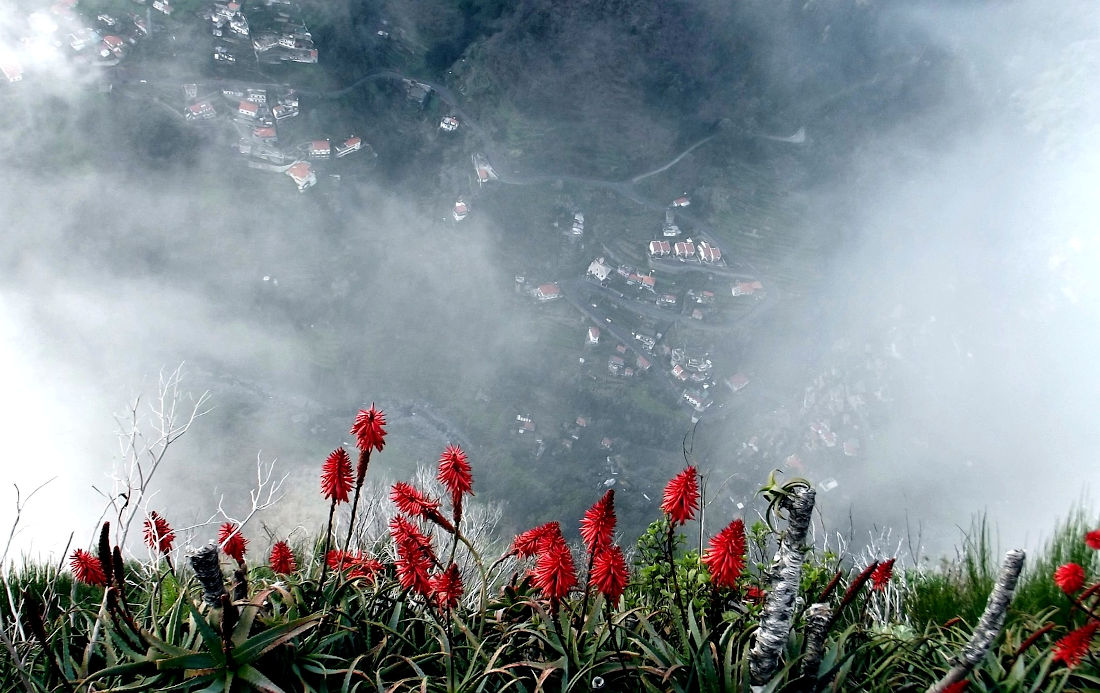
x,y
232,541
1069,577
455,475
1073,647
412,502
404,531
158,534
681,498
87,568
368,429
336,476
555,573
282,559
1093,539
531,542
725,555
598,523
609,573
447,588
413,564
882,574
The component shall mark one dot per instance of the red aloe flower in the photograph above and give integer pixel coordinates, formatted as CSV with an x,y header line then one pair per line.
x,y
336,476
609,573
755,594
1070,577
355,564
87,568
555,573
447,587
412,502
1073,647
598,524
1093,539
282,559
368,430
158,534
531,542
232,541
882,574
725,556
404,531
957,687
413,564
681,498
455,475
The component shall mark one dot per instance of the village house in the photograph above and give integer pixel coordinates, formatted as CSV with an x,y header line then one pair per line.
x,y
699,401
12,70
682,201
202,110
578,224
162,6
265,133
615,365
598,270
647,282
284,111
685,250
709,253
461,210
256,95
248,109
737,382
547,292
593,337
696,314
238,24
82,38
320,149
666,301
642,363
679,373
351,144
112,45
659,248
647,340
747,288
670,229
302,174
448,123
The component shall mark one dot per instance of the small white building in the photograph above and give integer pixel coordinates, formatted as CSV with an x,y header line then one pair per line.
x,y
351,144
548,292
448,123
302,174
461,210
599,270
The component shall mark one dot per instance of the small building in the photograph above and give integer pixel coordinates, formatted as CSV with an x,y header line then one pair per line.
x,y
203,110
747,288
265,133
351,144
667,300
256,95
302,174
615,365
577,229
547,292
737,382
620,348
696,314
12,70
320,149
684,250
647,282
593,337
679,373
461,210
598,270
709,253
283,110
448,123
851,447
642,363
699,401
248,109
670,229
112,45
582,422
162,6
659,248
682,201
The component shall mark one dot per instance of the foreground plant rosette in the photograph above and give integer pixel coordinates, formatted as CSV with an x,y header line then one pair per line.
x,y
422,608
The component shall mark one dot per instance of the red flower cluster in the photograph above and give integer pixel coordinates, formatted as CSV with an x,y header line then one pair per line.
x,y
232,541
158,534
355,564
281,559
598,524
336,476
555,573
725,556
882,574
447,588
1073,647
455,474
755,594
1070,577
1093,539
609,573
414,556
412,502
87,568
368,429
531,542
957,687
681,498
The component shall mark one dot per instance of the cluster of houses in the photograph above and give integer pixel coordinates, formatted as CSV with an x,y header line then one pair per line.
x,y
686,250
283,39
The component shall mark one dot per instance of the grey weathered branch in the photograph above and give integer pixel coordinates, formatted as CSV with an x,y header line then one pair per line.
x,y
786,575
990,625
818,616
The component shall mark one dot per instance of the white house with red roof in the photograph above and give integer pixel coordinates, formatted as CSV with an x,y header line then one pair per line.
x,y
684,249
448,123
320,149
265,133
747,288
461,210
709,253
593,337
203,110
351,144
679,373
599,270
302,174
547,292
248,109
12,70
682,201
648,282
112,45
659,248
